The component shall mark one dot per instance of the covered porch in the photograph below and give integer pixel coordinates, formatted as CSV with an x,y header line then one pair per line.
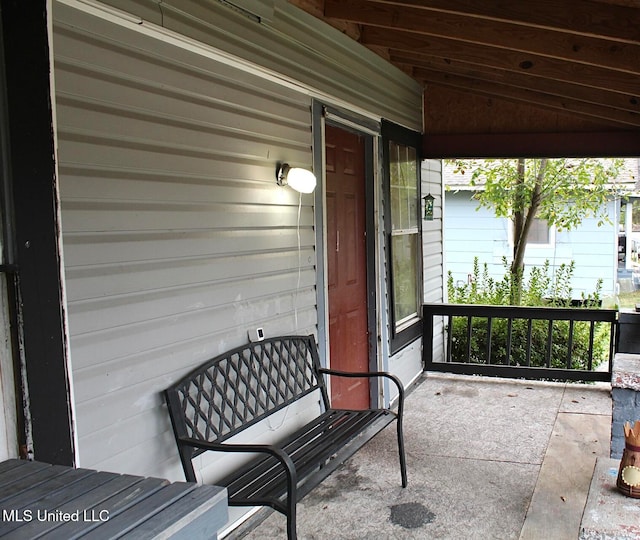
x,y
157,236
487,458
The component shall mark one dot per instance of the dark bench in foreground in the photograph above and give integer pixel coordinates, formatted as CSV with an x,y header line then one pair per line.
x,y
238,389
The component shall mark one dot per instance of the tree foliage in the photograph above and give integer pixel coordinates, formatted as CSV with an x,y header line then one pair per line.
x,y
561,192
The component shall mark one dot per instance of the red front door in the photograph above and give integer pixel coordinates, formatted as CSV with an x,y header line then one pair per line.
x,y
347,266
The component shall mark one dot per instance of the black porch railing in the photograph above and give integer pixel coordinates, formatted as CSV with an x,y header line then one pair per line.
x,y
520,342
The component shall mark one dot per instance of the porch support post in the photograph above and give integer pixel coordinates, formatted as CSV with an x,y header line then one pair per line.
x,y
628,229
35,228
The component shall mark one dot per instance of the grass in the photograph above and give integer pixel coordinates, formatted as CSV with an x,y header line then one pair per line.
x,y
629,299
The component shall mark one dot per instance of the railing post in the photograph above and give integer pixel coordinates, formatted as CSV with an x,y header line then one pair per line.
x,y
427,337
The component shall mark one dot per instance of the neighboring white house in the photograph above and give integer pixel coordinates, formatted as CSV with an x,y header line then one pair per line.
x,y
472,231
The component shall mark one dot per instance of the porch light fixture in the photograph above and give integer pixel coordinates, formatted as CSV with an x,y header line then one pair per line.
x,y
428,207
301,180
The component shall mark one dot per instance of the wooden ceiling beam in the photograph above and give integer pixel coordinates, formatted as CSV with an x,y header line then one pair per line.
x,y
554,44
560,89
582,17
530,97
576,59
530,64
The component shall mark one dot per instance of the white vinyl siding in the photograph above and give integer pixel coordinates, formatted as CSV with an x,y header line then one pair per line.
x,y
433,246
176,239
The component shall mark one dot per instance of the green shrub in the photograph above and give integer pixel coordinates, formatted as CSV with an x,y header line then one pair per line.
x,y
539,289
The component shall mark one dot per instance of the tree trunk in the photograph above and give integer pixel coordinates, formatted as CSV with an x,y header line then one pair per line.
x,y
524,212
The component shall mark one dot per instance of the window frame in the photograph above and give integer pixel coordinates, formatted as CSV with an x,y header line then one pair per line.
x,y
551,236
535,245
407,330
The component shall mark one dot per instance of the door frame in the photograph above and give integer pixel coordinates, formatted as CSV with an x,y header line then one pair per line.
x,y
370,130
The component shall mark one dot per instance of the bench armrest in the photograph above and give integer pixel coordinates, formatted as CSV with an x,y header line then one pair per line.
x,y
276,452
279,454
371,374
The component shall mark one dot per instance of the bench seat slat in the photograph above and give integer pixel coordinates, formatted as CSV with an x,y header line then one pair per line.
x,y
309,449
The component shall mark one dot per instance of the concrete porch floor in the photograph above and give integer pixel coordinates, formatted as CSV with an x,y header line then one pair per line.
x,y
487,458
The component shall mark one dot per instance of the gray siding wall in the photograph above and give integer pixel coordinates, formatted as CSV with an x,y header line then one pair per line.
x,y
433,246
296,47
176,239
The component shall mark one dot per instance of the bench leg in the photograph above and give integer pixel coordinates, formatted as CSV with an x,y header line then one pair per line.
x,y
291,522
403,459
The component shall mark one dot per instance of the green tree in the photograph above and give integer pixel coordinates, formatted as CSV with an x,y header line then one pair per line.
x,y
561,192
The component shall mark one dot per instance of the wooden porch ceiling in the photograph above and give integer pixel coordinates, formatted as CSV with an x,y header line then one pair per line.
x,y
508,67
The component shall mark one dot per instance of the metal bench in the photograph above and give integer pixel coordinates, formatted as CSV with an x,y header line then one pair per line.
x,y
242,387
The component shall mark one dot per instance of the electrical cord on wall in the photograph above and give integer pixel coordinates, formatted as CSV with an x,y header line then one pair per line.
x,y
295,304
295,298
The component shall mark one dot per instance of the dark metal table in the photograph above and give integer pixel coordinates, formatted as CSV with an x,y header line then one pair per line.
x,y
38,500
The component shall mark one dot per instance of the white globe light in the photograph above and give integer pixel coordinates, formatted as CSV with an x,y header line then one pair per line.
x,y
301,180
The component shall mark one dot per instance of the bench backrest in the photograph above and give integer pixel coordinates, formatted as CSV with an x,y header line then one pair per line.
x,y
241,387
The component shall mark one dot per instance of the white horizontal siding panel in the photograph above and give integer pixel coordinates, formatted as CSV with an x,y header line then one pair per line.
x,y
186,87
134,383
142,428
198,138
157,277
146,9
105,150
93,315
120,216
154,334
151,64
95,249
433,248
406,365
432,236
110,182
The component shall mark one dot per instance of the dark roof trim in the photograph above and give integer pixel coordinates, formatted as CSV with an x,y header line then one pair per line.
x,y
505,145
